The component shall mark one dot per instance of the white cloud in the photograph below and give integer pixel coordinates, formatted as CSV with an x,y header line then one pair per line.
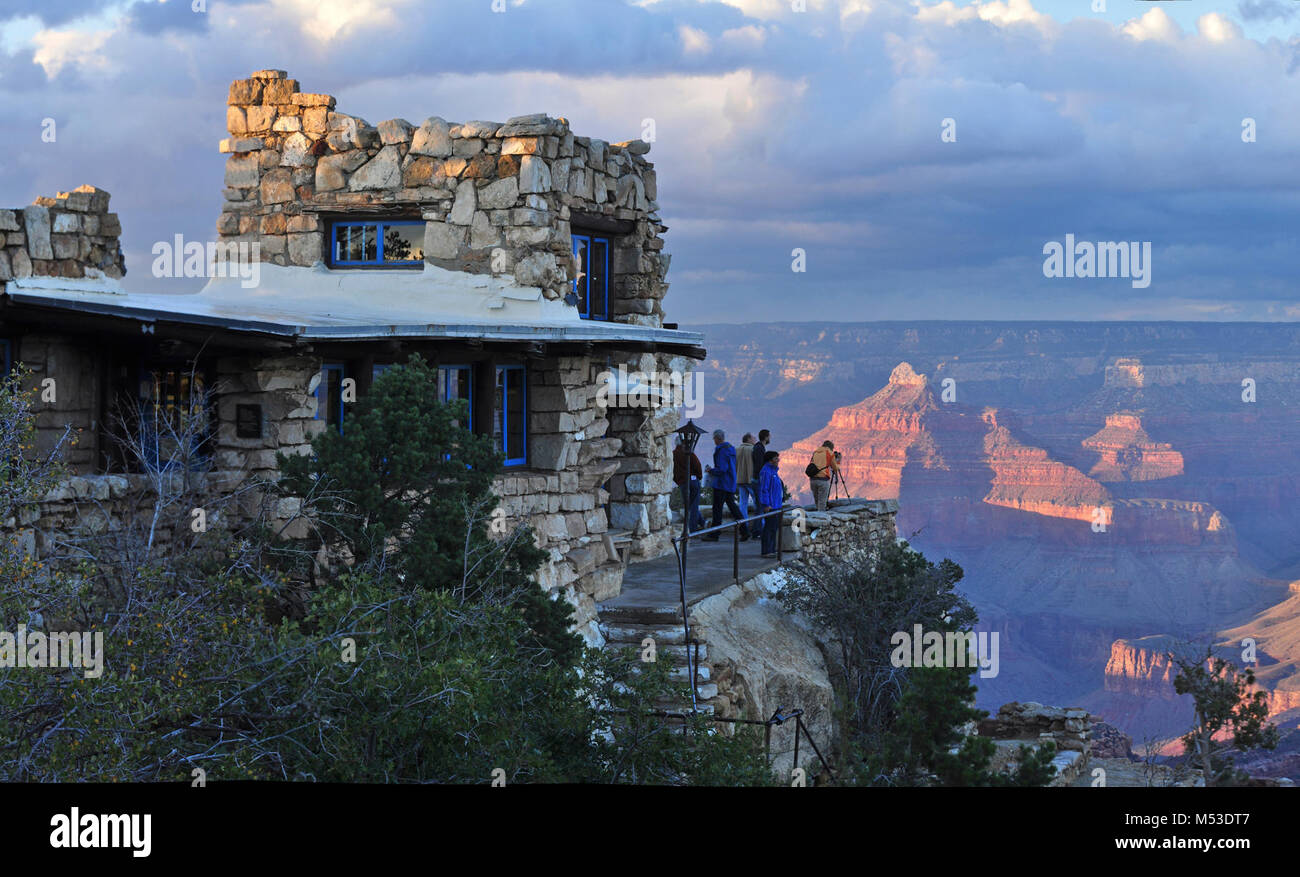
x,y
996,12
56,49
1154,24
749,37
323,20
1216,28
694,41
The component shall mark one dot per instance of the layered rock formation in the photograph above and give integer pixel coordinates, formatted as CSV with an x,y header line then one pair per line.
x,y
1126,452
1183,433
1036,535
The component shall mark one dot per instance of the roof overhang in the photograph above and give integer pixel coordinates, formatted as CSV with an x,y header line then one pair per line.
x,y
384,305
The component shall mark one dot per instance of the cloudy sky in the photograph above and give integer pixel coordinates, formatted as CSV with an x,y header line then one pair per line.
x,y
775,127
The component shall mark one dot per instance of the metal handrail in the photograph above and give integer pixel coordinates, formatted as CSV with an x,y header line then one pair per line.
x,y
680,544
778,718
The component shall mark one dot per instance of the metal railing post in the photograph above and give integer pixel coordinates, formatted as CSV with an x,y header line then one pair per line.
x,y
797,725
686,623
780,534
735,553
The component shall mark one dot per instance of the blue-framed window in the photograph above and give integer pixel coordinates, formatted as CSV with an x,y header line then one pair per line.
x,y
329,395
510,414
591,282
457,382
377,243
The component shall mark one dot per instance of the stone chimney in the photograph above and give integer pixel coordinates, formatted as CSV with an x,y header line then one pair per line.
x,y
71,235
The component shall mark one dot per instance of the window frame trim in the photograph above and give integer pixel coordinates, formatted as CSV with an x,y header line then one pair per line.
x,y
468,368
379,224
590,238
505,413
321,400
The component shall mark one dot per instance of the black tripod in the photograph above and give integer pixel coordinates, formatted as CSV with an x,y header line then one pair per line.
x,y
837,485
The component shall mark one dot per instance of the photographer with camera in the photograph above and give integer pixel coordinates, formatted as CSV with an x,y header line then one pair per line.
x,y
825,464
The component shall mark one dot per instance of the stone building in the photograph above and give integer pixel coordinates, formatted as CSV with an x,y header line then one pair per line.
x,y
524,261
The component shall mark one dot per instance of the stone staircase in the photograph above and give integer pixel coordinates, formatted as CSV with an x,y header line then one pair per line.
x,y
628,626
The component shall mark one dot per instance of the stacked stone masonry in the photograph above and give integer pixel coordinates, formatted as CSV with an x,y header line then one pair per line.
x,y
499,198
847,525
70,235
1067,728
593,471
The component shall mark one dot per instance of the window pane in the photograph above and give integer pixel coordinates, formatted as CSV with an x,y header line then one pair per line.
x,y
515,414
341,243
356,235
580,249
171,410
508,426
403,243
369,243
599,279
498,410
454,383
329,395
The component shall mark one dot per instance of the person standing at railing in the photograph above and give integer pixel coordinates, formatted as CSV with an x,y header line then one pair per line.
x,y
746,480
722,478
771,496
686,475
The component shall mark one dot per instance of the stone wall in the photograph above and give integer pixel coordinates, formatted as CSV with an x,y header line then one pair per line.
x,y
85,506
498,198
1069,728
281,388
70,235
846,525
592,470
574,455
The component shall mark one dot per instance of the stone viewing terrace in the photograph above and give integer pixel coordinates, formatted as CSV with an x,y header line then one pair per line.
x,y
750,656
751,653
655,583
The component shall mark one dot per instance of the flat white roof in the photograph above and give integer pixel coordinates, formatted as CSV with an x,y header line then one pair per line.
x,y
319,303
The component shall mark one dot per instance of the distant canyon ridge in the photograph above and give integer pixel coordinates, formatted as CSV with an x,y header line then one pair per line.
x,y
1112,490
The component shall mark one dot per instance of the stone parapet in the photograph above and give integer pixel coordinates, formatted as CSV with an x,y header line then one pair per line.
x,y
70,235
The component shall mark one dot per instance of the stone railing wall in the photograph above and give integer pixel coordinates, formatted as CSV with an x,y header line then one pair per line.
x,y
70,235
847,525
497,198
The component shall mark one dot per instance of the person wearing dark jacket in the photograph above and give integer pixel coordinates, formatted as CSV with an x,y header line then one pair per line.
x,y
771,496
760,459
686,475
722,478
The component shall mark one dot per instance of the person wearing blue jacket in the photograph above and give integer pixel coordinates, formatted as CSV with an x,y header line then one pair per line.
x,y
722,478
771,496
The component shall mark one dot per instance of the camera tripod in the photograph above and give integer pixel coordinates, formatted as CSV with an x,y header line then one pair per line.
x,y
837,485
